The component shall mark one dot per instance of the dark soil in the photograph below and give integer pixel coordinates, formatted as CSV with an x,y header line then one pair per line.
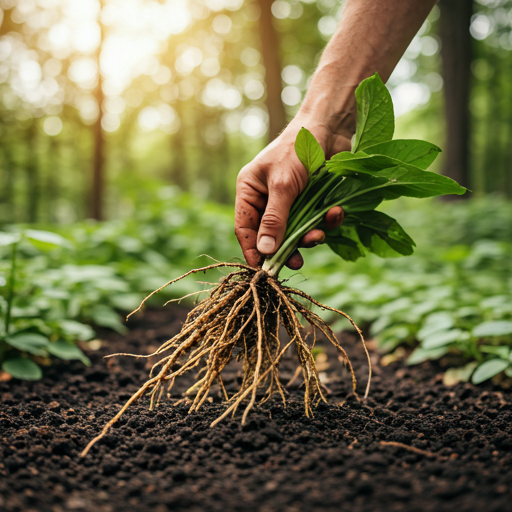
x,y
414,446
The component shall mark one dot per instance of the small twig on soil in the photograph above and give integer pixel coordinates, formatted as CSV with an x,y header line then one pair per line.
x,y
410,448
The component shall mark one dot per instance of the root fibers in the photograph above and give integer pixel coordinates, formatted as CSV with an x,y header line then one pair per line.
x,y
241,319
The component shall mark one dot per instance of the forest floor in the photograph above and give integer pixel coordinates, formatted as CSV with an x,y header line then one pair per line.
x,y
415,445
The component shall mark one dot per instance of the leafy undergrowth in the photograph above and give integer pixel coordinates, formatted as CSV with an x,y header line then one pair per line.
x,y
452,298
69,277
453,295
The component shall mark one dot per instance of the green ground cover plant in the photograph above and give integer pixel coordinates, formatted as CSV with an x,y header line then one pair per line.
x,y
67,278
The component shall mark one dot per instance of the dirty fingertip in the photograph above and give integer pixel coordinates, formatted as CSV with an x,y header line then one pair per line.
x,y
295,261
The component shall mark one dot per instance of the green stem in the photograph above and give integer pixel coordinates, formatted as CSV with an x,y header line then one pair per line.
x,y
275,263
10,289
304,211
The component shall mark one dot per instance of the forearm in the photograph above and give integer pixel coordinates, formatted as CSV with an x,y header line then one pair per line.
x,y
371,37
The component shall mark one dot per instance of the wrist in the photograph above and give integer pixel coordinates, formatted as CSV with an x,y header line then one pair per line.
x,y
333,137
334,107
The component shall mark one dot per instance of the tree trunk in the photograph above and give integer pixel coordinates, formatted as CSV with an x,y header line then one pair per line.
x,y
272,61
32,173
52,181
456,53
8,213
179,167
98,178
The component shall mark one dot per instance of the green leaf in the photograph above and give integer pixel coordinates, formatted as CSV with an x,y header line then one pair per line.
x,y
416,152
489,369
381,234
435,322
453,376
500,351
47,238
126,301
29,342
76,330
499,328
9,238
309,151
442,338
105,316
369,230
375,117
421,354
399,178
344,241
22,368
64,350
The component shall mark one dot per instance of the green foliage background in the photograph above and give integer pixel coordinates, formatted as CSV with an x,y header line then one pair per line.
x,y
170,188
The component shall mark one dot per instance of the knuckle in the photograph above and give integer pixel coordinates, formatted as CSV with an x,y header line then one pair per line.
x,y
288,183
272,219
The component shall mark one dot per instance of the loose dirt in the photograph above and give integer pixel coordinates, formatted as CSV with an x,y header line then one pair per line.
x,y
414,445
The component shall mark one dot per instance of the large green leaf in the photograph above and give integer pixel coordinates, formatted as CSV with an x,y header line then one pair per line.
x,y
489,369
45,238
381,234
501,351
442,338
76,330
416,152
498,328
435,322
370,231
422,354
22,368
403,179
29,342
104,316
345,242
9,238
375,117
64,350
309,151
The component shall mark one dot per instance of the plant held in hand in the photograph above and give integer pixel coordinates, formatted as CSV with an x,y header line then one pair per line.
x,y
243,314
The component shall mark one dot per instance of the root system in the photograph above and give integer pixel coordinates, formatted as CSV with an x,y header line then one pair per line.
x,y
241,319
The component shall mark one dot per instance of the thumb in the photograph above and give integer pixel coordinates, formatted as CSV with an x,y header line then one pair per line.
x,y
273,223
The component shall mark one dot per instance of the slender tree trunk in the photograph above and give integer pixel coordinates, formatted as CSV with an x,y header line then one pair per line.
x,y
8,214
52,181
456,53
32,173
507,131
272,61
179,166
492,161
98,170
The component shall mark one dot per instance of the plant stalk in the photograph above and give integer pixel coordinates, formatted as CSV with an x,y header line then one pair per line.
x,y
305,220
10,289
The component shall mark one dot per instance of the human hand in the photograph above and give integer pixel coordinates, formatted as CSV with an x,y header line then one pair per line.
x,y
267,187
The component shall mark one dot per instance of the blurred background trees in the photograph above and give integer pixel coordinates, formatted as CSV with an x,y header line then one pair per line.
x,y
102,103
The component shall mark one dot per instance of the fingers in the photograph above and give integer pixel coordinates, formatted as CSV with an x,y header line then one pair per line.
x,y
248,205
295,261
334,217
312,238
273,222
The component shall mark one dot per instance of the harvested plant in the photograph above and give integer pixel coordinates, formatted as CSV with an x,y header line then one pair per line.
x,y
242,316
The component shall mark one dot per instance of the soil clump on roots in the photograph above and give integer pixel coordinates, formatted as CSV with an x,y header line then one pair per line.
x,y
241,319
